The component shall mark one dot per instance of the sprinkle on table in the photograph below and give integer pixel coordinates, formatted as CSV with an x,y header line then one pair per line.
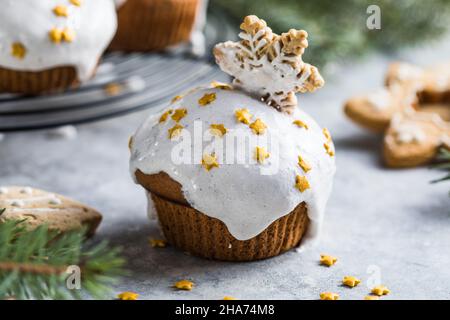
x,y
243,116
175,131
327,260
184,285
76,2
61,11
300,124
113,89
165,115
18,50
261,154
303,164
229,298
158,243
258,127
371,297
218,129
350,281
221,85
209,161
179,114
380,290
176,98
207,98
329,296
127,295
302,183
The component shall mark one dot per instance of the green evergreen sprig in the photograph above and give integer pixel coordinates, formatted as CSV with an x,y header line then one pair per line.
x,y
34,263
443,160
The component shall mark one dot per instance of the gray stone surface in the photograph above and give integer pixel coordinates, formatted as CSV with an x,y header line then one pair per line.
x,y
384,225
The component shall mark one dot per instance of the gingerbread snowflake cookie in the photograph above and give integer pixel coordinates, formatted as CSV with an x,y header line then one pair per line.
x,y
267,65
413,110
39,207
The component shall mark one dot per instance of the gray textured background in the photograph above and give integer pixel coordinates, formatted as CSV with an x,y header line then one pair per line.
x,y
381,223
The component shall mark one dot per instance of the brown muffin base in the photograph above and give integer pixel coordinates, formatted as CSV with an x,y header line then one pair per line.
x,y
200,235
151,25
40,82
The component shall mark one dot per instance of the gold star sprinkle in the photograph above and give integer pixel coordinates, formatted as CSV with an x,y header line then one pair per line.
x,y
113,89
261,154
327,260
128,296
229,298
327,134
380,290
221,85
207,99
68,35
165,115
209,161
179,114
176,98
218,130
300,124
55,35
61,11
328,148
243,116
158,243
371,298
258,127
184,285
175,131
329,296
350,281
18,50
303,164
76,2
301,183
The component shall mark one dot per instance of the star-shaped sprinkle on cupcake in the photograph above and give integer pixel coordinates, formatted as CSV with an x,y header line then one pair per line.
x,y
302,183
165,115
128,296
221,85
218,129
243,116
329,296
18,50
207,99
327,134
55,35
258,127
158,243
300,124
175,131
61,11
380,290
179,114
350,281
328,148
76,2
303,164
176,98
261,154
209,161
184,285
68,35
327,260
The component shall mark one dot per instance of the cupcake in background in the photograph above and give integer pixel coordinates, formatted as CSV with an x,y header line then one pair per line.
x,y
48,46
152,25
238,172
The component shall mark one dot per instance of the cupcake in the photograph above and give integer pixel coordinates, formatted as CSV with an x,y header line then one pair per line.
x,y
48,45
149,25
237,171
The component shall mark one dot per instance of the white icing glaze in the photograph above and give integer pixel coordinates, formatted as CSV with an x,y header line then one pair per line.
x,y
4,190
407,71
27,190
380,99
239,195
29,22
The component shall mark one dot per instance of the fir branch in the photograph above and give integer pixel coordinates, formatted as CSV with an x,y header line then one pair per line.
x,y
34,263
443,163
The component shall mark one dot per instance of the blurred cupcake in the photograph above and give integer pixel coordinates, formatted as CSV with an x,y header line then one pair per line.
x,y
238,172
149,25
48,46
